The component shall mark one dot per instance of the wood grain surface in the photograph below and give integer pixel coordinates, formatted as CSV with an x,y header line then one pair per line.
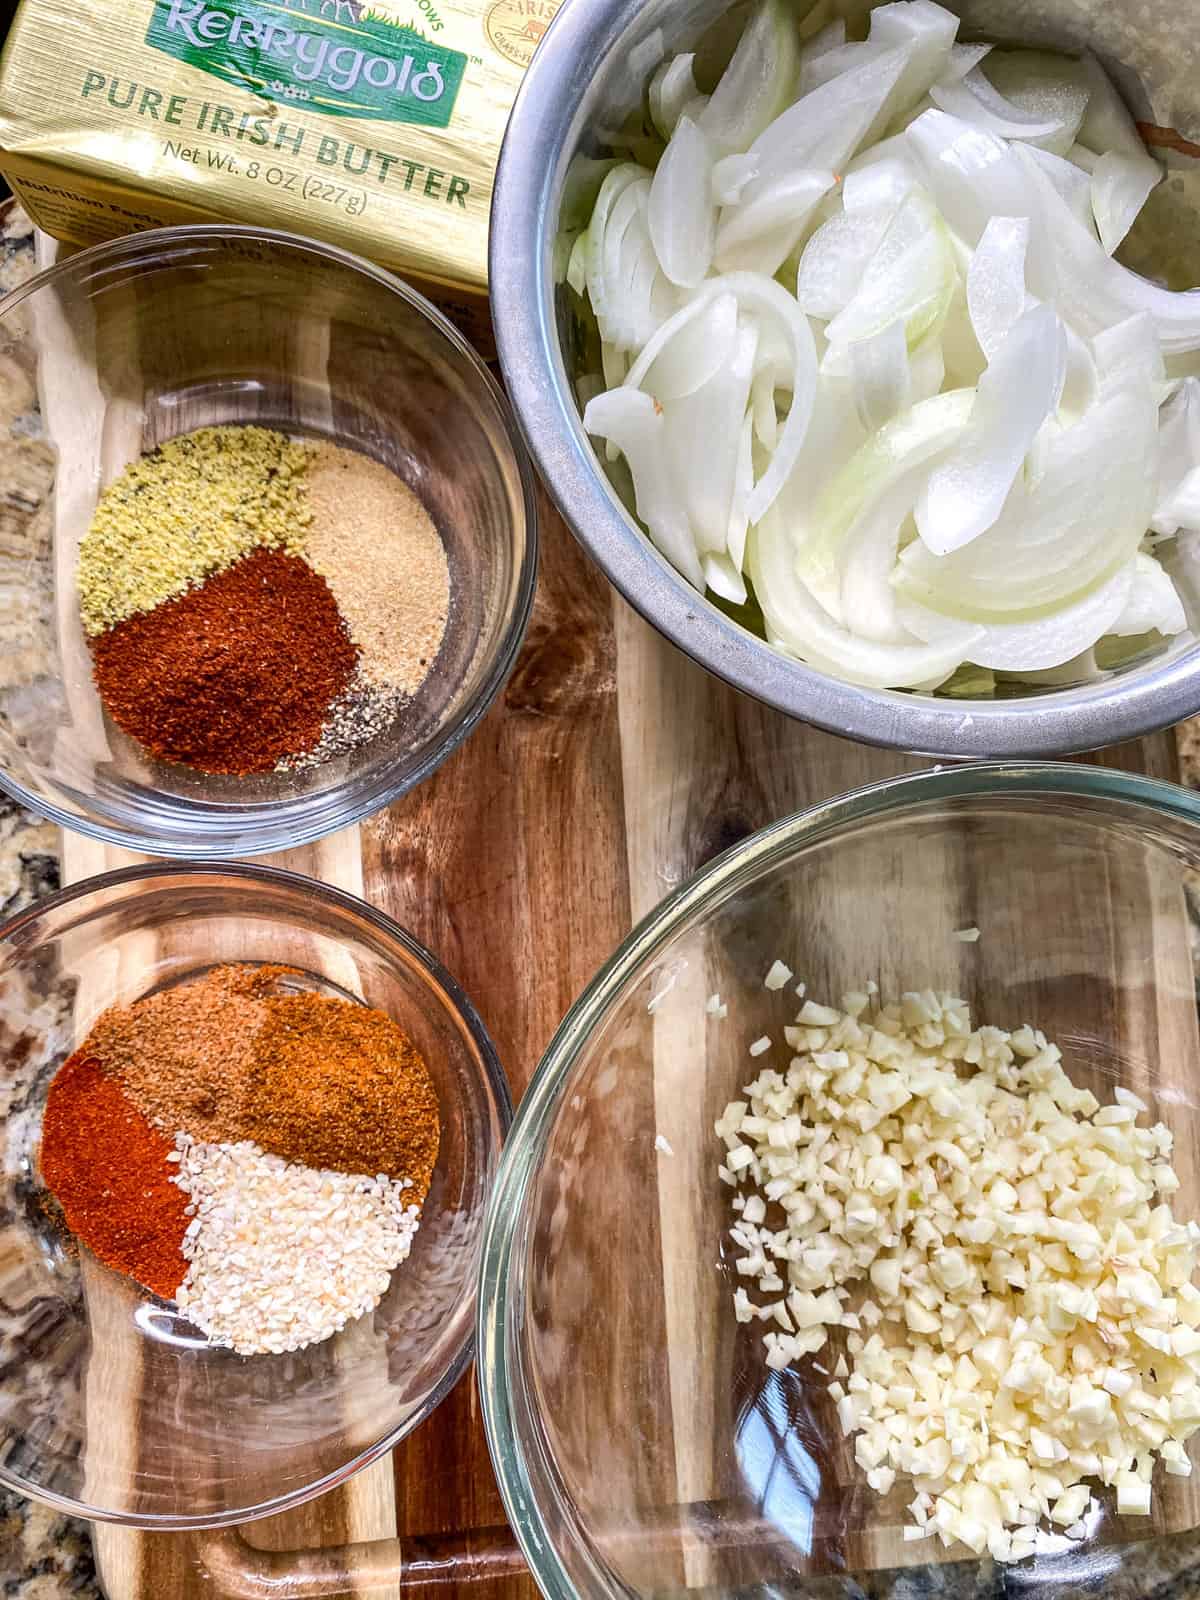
x,y
610,769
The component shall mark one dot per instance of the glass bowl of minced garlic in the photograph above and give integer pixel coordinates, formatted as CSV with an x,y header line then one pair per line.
x,y
273,541
852,1224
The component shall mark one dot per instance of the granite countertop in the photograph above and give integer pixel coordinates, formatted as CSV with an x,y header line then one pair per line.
x,y
46,1556
43,1556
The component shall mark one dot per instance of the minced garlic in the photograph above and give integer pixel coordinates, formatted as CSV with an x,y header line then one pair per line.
x,y
1016,1293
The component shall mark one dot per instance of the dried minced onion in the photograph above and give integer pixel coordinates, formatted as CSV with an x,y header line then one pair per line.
x,y
281,1255
990,1248
871,224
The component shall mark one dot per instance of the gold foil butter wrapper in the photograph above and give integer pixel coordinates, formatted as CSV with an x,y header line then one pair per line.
x,y
375,126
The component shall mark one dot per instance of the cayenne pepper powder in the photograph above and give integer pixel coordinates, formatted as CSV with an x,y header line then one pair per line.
x,y
234,675
108,1169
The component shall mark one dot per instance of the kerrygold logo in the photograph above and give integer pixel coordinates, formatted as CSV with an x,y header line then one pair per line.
x,y
340,58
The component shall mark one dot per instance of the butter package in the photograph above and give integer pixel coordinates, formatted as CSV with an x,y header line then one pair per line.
x,y
375,126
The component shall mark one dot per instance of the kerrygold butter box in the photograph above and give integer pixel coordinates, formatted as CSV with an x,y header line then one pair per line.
x,y
374,126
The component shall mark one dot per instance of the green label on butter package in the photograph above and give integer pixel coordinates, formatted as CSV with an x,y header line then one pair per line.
x,y
339,58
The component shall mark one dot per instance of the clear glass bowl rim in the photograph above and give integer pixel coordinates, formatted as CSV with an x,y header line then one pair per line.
x,y
524,1148
496,1084
259,830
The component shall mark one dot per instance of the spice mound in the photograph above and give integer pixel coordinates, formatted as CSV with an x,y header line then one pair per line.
x,y
256,603
256,1153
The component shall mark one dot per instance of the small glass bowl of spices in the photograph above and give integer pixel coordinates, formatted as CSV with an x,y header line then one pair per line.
x,y
274,541
249,1131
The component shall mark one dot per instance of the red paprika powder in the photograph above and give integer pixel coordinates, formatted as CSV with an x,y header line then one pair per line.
x,y
107,1167
235,674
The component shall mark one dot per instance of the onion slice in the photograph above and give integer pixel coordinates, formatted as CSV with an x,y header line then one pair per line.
x,y
701,346
881,376
837,255
672,90
996,281
798,624
757,82
1095,292
632,422
680,212
975,100
973,176
824,129
760,235
1056,542
1120,187
703,432
1020,389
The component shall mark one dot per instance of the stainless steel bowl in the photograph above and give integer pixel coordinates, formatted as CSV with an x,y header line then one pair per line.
x,y
589,72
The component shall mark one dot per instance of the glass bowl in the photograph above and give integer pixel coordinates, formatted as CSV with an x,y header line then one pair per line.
x,y
136,341
642,1444
113,1407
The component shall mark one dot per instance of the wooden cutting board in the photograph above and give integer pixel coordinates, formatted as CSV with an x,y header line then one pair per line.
x,y
608,772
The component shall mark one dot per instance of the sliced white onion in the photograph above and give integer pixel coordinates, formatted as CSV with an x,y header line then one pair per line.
x,y
866,599
1043,85
703,431
680,212
880,376
701,345
1096,292
973,176
764,418
886,182
1072,182
723,578
890,457
996,281
743,483
1128,354
1153,605
1107,125
1179,451
672,90
926,369
800,625
576,273
965,494
632,422
837,255
1182,507
911,276
927,31
975,100
830,37
1120,187
835,63
756,84
616,182
825,128
760,235
1055,543
963,57
730,176
1030,646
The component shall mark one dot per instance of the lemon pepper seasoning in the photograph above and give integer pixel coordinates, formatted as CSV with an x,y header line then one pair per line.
x,y
187,510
